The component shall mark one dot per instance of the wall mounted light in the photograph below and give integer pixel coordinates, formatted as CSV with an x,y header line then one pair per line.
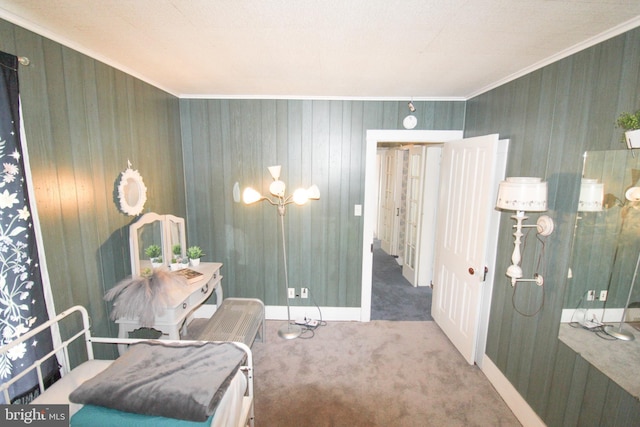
x,y
522,194
301,196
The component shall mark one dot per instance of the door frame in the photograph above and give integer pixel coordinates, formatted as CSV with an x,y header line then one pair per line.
x,y
373,137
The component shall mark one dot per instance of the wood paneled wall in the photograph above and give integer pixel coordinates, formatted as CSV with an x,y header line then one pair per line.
x,y
552,116
83,121
316,142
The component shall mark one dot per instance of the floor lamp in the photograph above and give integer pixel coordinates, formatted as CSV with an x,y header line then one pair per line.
x,y
281,200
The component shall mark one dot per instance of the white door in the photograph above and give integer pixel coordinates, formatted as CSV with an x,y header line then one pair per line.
x,y
465,207
415,184
390,201
421,201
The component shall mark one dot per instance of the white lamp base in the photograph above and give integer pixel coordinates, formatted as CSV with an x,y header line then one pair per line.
x,y
289,331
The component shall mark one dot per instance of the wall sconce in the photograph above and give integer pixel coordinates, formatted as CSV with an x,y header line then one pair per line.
x,y
522,194
281,200
591,195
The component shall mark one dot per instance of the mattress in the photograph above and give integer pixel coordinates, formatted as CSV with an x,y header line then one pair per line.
x,y
228,412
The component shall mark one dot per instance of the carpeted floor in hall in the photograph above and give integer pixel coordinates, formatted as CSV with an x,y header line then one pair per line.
x,y
392,296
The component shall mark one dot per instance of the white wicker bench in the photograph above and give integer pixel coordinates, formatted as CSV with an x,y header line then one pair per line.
x,y
237,319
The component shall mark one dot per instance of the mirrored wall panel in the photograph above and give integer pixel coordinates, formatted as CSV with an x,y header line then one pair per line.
x,y
606,243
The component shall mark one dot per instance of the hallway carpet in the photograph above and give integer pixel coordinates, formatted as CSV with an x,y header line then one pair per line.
x,y
392,296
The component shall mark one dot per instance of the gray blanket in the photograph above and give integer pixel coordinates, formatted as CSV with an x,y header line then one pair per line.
x,y
168,380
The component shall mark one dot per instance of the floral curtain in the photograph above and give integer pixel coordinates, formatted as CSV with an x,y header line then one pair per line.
x,y
22,303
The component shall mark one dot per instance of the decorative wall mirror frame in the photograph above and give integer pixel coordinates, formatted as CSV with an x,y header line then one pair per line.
x,y
165,231
132,193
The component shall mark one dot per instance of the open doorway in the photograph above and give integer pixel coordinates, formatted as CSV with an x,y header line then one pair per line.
x,y
395,291
371,196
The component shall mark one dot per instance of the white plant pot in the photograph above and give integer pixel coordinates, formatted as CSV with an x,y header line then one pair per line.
x,y
175,266
633,138
195,262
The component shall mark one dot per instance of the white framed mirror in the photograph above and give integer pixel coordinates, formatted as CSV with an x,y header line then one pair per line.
x,y
163,232
132,193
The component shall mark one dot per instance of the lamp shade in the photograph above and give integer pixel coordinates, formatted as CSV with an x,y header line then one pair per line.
x,y
591,195
250,196
313,192
522,194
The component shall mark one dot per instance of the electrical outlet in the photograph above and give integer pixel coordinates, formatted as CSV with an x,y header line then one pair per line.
x,y
591,295
304,292
292,292
603,296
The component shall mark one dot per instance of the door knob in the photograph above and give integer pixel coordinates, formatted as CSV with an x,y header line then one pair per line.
x,y
471,271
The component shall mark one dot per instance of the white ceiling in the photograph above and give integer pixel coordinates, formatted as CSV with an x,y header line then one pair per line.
x,y
365,49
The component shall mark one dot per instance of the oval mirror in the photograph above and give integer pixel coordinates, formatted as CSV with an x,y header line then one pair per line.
x,y
132,193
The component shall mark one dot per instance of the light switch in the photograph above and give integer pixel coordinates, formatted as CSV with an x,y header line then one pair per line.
x,y
357,210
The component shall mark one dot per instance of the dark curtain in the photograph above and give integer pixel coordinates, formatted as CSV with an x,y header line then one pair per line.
x,y
22,303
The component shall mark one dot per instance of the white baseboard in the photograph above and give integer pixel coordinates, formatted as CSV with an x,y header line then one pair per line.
x,y
513,399
276,312
609,315
337,314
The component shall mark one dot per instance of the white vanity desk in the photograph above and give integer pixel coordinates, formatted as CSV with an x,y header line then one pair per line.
x,y
184,301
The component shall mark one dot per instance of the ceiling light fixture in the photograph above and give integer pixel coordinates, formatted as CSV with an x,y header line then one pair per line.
x,y
410,121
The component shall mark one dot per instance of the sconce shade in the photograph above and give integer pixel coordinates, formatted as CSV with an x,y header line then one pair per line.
x,y
591,195
522,194
249,195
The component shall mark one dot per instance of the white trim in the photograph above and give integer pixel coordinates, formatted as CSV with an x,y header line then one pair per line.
x,y
599,38
338,314
322,98
520,408
373,137
605,35
41,31
276,312
609,315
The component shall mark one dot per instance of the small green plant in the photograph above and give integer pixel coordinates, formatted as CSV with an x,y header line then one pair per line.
x,y
153,251
177,250
194,252
629,121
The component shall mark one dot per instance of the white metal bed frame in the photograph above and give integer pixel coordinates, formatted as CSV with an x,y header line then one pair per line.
x,y
62,352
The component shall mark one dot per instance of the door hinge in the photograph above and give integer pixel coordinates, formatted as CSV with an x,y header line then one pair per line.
x,y
431,284
372,248
484,276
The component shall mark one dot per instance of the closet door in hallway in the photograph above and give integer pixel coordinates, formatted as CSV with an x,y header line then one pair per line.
x,y
390,199
422,197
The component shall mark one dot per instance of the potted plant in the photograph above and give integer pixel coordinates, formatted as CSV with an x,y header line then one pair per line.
x,y
630,122
176,260
155,255
195,253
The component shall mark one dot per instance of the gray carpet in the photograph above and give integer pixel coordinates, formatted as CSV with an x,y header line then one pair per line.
x,y
380,373
392,296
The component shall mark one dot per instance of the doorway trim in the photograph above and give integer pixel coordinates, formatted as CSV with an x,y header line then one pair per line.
x,y
373,137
